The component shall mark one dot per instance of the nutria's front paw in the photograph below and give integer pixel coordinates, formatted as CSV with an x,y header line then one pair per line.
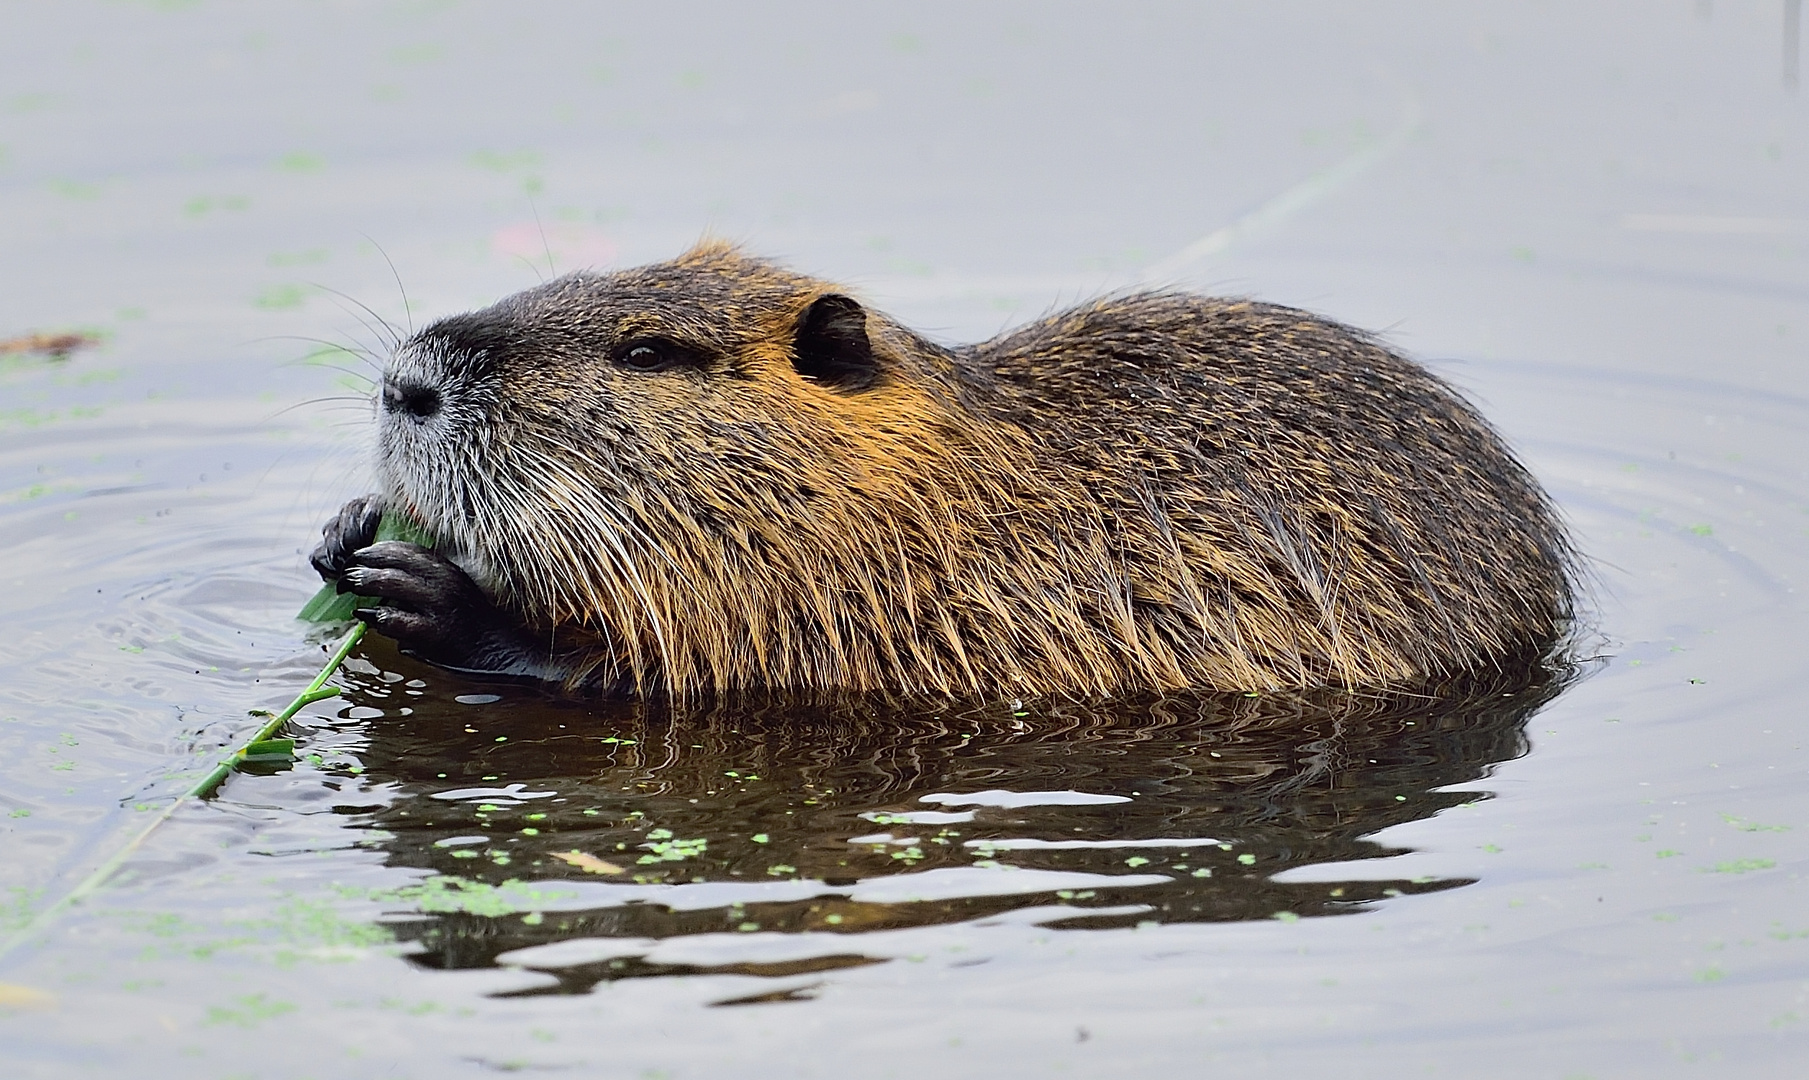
x,y
433,609
354,527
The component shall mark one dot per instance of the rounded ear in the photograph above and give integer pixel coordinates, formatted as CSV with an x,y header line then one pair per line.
x,y
832,346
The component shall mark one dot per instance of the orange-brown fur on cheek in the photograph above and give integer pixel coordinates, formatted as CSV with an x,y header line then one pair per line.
x,y
1149,493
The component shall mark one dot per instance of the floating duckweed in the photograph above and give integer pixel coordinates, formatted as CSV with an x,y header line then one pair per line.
x,y
1752,826
676,850
248,1011
447,894
1742,866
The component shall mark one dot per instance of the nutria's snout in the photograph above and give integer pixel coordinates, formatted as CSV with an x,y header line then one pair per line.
x,y
410,399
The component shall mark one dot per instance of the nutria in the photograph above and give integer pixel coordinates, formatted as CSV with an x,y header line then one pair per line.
x,y
713,474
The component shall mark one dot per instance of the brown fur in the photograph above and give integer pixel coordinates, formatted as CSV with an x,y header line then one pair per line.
x,y
1150,492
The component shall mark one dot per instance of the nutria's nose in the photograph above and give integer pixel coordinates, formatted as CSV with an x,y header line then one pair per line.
x,y
412,400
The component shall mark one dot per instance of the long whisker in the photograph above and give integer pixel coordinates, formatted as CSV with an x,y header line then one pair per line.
x,y
389,328
623,520
363,402
407,311
529,263
358,351
545,547
606,526
544,246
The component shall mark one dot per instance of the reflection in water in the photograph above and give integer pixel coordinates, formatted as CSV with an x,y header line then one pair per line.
x,y
614,840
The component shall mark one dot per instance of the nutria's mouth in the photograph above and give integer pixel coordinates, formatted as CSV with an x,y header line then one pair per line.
x,y
454,543
413,509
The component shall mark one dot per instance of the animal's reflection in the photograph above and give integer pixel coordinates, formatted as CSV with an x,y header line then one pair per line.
x,y
864,815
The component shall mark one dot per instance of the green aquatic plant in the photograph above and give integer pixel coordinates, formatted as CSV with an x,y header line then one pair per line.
x,y
264,747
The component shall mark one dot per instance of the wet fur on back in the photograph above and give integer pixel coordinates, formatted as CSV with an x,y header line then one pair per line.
x,y
1150,492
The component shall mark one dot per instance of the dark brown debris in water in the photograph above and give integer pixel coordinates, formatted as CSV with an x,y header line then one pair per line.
x,y
55,346
795,993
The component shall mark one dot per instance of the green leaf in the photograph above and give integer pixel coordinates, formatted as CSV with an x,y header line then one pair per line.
x,y
331,605
268,752
265,757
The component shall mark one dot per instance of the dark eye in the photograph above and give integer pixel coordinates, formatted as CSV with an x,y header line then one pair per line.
x,y
643,357
653,355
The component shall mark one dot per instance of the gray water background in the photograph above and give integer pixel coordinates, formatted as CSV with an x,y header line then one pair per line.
x,y
1594,218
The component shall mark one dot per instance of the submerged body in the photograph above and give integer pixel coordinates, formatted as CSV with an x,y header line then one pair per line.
x,y
713,474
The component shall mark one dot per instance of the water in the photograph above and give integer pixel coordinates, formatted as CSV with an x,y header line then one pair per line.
x,y
1591,217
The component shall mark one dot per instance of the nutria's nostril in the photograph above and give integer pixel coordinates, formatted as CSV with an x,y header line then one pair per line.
x,y
418,402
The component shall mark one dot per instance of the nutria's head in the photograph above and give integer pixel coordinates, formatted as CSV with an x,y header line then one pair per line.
x,y
687,462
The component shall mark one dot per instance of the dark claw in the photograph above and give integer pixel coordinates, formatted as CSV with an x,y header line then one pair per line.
x,y
399,587
413,578
354,527
398,625
434,610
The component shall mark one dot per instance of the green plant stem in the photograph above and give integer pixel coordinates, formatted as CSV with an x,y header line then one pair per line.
x,y
204,789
